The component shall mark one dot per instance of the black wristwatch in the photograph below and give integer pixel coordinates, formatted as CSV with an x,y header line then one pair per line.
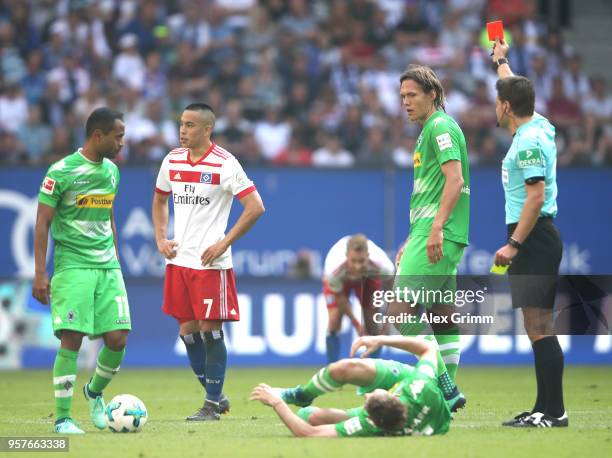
x,y
514,243
500,61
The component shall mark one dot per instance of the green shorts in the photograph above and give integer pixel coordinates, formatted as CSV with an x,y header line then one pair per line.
x,y
388,373
91,301
435,282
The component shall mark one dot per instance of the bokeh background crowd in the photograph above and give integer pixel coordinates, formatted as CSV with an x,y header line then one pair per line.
x,y
293,82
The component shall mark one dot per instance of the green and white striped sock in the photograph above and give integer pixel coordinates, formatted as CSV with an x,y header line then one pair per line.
x,y
106,367
320,383
64,379
450,350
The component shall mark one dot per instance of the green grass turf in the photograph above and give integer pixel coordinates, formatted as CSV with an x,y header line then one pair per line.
x,y
253,430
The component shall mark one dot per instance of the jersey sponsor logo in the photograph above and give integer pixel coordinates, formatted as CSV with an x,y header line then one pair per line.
x,y
190,199
192,176
505,176
444,141
95,200
352,426
48,185
416,158
529,158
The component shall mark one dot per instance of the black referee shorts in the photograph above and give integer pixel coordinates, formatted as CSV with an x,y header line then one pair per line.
x,y
534,272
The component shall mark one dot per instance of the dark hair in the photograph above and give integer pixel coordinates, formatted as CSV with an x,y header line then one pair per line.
x,y
427,79
205,109
387,412
199,106
103,119
519,92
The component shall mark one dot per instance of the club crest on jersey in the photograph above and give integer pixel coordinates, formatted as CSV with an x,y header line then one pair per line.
x,y
206,177
48,185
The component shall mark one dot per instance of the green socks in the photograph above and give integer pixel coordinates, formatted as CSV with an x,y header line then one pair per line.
x,y
448,342
320,383
106,367
64,378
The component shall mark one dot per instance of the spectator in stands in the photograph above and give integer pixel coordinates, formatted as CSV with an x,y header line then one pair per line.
x,y
296,153
34,136
332,153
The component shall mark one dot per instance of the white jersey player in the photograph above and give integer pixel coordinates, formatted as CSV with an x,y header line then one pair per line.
x,y
200,289
353,264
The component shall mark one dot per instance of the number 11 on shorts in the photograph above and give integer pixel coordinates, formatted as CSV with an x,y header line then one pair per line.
x,y
208,303
123,309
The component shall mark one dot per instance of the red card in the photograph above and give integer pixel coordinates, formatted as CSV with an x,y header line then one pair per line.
x,y
495,30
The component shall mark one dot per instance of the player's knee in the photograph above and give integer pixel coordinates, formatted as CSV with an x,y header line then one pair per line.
x,y
71,340
341,370
116,341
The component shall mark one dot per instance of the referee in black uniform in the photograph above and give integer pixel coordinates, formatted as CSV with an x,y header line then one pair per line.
x,y
534,246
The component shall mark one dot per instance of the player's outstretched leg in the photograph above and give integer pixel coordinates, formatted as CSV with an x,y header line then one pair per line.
x,y
331,378
109,359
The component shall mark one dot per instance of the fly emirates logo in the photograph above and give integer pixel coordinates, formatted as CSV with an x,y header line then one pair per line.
x,y
189,197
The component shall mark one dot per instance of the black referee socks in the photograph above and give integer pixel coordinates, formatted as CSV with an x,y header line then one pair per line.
x,y
549,375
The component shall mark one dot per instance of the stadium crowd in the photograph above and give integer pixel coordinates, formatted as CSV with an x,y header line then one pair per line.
x,y
293,82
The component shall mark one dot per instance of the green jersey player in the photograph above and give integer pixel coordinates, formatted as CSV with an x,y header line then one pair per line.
x,y
399,399
87,293
439,218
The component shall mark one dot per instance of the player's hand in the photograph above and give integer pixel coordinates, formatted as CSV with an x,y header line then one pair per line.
x,y
371,344
213,252
167,248
434,245
40,288
266,395
504,256
500,49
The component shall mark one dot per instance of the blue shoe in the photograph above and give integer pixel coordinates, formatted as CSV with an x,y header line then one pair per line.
x,y
295,396
456,400
67,426
96,408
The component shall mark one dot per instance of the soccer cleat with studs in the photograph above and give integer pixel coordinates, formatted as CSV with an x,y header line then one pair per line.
x,y
96,408
295,396
210,411
67,426
540,420
517,420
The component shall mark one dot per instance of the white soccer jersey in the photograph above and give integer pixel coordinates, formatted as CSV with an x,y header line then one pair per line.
x,y
334,270
202,193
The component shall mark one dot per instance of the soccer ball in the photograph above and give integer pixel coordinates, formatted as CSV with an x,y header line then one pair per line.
x,y
126,414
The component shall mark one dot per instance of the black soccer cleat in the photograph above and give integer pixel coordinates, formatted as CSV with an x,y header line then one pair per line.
x,y
516,421
540,420
208,412
224,404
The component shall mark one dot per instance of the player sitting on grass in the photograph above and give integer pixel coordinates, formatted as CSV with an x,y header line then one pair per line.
x,y
399,399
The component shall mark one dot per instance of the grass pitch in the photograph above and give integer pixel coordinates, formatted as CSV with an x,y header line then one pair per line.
x,y
252,430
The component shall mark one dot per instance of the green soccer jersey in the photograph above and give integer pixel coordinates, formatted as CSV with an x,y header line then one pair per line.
x,y
82,193
428,413
441,140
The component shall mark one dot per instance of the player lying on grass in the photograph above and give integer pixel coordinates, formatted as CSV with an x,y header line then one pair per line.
x,y
399,399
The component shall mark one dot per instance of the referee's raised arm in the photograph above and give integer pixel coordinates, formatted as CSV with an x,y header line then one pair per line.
x,y
499,53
